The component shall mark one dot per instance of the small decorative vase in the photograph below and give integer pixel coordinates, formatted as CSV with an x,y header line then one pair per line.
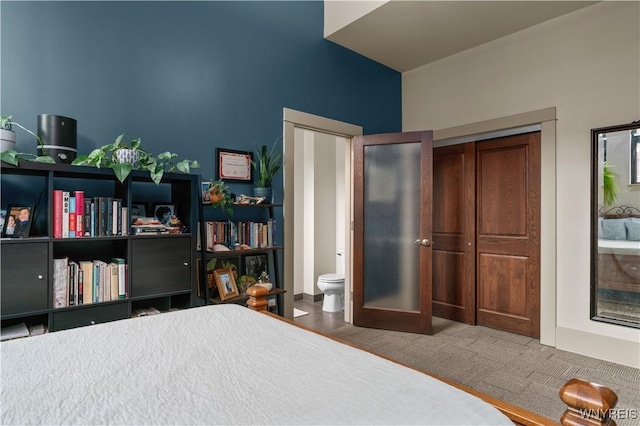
x,y
130,156
267,193
7,140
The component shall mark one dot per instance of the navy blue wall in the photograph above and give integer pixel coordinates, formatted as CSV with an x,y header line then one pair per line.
x,y
185,76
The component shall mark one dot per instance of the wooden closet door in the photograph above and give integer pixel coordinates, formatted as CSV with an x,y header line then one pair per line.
x,y
508,234
454,245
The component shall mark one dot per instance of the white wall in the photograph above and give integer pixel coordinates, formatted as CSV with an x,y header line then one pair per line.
x,y
320,205
587,65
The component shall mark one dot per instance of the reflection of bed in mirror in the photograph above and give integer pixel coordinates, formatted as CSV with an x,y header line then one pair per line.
x,y
619,263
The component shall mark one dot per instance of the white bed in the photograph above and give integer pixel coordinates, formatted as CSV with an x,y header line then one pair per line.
x,y
217,365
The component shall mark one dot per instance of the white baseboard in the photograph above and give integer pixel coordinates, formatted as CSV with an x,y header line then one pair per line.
x,y
620,351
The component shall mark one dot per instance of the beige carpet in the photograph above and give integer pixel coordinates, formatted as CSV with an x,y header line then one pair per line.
x,y
514,368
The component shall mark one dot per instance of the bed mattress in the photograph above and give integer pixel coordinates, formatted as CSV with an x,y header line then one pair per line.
x,y
217,365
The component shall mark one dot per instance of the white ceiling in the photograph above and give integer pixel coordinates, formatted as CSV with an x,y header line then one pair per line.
x,y
408,34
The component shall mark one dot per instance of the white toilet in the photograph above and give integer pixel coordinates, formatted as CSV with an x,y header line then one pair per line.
x,y
332,285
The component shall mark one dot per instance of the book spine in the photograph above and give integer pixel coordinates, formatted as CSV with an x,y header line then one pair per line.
x,y
71,277
120,266
109,227
87,218
96,282
57,213
80,286
115,285
94,218
102,213
79,214
125,220
72,217
117,216
60,282
65,214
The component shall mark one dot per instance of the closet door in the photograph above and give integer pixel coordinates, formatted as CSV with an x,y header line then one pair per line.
x,y
454,239
508,233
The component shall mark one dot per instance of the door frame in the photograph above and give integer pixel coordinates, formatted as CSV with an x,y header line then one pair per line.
x,y
290,120
546,118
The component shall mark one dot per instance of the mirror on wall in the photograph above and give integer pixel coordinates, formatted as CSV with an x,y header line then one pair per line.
x,y
615,232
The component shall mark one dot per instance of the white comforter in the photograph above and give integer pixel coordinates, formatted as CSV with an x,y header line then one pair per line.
x,y
217,365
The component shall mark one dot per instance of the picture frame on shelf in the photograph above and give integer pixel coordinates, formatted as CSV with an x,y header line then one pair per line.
x,y
204,192
164,212
17,221
256,264
211,281
232,164
3,215
226,284
138,209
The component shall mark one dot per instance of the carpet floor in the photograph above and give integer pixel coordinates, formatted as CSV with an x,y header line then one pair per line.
x,y
514,368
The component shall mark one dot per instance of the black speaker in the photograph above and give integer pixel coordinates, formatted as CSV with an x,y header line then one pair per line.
x,y
59,137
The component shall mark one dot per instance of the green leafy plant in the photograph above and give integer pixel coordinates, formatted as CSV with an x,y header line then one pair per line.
x,y
220,196
266,166
609,184
108,156
11,156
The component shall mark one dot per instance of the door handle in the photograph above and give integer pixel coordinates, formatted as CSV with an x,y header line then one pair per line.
x,y
423,242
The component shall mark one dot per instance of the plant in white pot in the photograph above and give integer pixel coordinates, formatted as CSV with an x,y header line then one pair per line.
x,y
122,156
266,166
8,154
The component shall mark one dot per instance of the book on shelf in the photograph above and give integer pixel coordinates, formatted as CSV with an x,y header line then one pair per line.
x,y
65,214
124,220
113,268
120,265
60,282
57,213
79,195
72,217
87,219
87,281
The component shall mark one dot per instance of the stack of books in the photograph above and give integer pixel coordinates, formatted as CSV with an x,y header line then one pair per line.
x,y
148,225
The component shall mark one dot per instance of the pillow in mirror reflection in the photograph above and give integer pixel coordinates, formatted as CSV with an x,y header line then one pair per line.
x,y
267,286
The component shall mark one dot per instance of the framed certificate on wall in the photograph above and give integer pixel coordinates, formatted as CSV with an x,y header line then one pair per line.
x,y
234,165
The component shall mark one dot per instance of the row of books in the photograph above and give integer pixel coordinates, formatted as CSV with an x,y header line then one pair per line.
x,y
253,234
75,216
88,281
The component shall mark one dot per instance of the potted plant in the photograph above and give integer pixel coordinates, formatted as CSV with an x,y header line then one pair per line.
x,y
124,155
609,184
8,154
266,166
219,196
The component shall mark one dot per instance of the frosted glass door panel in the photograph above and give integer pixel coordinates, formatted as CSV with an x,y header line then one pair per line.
x,y
391,226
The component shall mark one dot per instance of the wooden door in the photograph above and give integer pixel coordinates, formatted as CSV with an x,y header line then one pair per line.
x,y
454,240
508,233
392,231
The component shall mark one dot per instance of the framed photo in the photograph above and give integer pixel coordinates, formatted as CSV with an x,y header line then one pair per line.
x,y
255,265
138,209
226,283
204,192
17,223
3,215
164,212
234,165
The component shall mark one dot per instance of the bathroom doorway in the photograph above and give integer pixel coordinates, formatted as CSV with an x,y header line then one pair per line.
x,y
318,210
